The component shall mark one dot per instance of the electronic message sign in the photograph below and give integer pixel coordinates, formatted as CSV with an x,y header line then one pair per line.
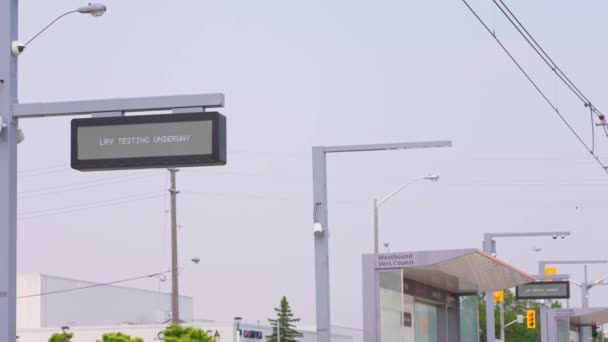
x,y
149,141
543,290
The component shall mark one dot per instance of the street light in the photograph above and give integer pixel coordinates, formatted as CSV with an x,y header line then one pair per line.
x,y
432,178
237,325
96,10
489,246
65,334
194,260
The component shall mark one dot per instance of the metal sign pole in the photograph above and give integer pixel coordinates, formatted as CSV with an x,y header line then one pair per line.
x,y
10,112
489,297
8,172
544,324
319,174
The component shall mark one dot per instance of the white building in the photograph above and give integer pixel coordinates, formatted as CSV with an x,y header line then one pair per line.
x,y
47,301
150,332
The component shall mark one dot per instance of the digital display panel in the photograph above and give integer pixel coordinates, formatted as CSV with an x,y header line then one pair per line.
x,y
543,290
149,141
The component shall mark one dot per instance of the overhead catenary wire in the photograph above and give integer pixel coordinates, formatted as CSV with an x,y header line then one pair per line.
x,y
517,24
543,54
542,94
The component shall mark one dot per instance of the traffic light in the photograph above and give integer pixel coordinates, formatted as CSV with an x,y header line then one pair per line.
x,y
594,330
531,319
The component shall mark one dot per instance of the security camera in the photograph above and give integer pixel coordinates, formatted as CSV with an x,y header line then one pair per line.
x,y
554,236
17,48
317,229
195,260
20,135
563,236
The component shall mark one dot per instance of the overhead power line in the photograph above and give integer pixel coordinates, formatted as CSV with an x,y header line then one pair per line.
x,y
85,185
94,285
87,206
542,94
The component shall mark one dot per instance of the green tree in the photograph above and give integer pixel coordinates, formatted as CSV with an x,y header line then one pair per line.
x,y
516,332
119,337
286,320
61,337
177,333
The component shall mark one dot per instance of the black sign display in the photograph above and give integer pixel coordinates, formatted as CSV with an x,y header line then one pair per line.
x,y
543,290
149,141
253,334
407,319
417,289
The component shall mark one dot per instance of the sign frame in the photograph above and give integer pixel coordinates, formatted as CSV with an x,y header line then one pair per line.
x,y
217,157
499,296
547,284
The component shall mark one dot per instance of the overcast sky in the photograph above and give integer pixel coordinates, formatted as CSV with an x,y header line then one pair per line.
x,y
299,74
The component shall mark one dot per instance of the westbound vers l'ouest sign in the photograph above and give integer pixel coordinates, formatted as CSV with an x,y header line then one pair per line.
x,y
149,141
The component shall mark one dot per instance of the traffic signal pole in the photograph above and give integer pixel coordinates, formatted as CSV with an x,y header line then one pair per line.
x,y
501,306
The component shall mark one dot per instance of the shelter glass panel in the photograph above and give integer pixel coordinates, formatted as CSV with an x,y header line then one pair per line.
x,y
426,322
391,329
586,334
563,329
469,318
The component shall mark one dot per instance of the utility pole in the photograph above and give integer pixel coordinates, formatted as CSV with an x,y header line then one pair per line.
x,y
585,291
174,270
376,226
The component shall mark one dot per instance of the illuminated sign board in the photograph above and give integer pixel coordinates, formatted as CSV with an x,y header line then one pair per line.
x,y
149,141
543,290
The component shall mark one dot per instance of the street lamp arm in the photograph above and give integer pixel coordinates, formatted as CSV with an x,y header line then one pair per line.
x,y
598,282
398,190
95,10
575,283
47,26
432,178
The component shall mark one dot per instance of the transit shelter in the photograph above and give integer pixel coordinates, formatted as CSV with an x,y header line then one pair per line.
x,y
574,325
430,296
